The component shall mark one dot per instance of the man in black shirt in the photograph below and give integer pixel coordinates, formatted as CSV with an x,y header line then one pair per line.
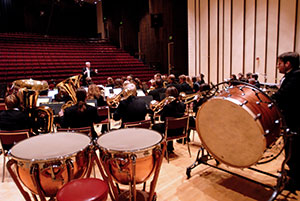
x,y
288,100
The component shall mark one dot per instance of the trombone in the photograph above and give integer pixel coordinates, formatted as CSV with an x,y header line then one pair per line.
x,y
156,106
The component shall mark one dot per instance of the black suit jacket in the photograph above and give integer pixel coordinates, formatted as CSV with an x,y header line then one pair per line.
x,y
14,120
84,76
156,93
130,110
288,99
74,119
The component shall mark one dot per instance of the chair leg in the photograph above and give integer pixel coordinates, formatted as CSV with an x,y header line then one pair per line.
x,y
167,155
3,174
188,145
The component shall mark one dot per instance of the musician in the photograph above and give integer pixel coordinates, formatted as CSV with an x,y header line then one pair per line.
x,y
172,82
95,93
184,86
81,114
201,79
13,118
131,109
110,82
87,73
62,95
174,109
288,100
156,93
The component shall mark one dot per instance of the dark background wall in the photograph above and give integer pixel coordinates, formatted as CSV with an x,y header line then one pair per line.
x,y
156,22
52,17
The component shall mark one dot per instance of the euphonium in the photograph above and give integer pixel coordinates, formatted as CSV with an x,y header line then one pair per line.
x,y
70,85
114,101
156,106
28,91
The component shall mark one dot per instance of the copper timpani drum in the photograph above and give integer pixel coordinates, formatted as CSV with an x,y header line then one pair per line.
x,y
47,162
118,150
238,125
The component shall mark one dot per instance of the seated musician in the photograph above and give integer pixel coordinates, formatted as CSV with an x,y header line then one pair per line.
x,y
94,93
132,108
62,95
81,114
13,118
172,82
173,109
184,86
155,93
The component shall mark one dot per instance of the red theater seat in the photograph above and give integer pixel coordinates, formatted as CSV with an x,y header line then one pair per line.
x,y
90,189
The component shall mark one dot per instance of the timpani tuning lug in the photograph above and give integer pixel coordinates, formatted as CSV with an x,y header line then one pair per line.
x,y
270,105
277,121
257,102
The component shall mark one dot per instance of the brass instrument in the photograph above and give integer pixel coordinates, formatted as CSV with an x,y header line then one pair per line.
x,y
156,106
114,101
188,98
28,91
70,85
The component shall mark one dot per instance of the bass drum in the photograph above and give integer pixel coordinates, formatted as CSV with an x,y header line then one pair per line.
x,y
46,162
238,125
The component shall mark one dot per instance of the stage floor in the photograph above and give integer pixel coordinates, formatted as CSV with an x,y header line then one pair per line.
x,y
206,183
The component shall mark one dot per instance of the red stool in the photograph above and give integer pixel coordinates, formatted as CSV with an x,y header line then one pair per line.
x,y
90,189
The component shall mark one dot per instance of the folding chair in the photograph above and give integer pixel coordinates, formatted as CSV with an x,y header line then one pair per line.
x,y
177,128
103,111
138,124
7,140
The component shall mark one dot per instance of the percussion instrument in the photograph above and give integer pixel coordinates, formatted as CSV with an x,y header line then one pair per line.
x,y
46,162
238,125
121,149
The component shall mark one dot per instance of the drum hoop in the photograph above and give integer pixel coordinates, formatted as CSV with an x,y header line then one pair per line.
x,y
113,151
50,159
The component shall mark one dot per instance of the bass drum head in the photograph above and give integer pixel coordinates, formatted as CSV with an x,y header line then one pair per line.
x,y
230,132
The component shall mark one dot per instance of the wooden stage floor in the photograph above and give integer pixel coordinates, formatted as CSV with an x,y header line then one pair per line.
x,y
206,183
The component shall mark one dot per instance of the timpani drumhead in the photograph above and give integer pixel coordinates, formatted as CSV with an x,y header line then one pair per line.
x,y
230,132
129,139
50,146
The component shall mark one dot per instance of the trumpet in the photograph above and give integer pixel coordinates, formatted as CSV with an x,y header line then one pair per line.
x,y
156,106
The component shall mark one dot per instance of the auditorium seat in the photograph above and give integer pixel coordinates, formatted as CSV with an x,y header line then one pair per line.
x,y
57,57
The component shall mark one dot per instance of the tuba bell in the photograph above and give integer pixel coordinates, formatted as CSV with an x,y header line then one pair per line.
x,y
27,91
70,85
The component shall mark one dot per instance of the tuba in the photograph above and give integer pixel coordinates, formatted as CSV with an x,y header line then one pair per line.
x,y
156,106
27,91
70,85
